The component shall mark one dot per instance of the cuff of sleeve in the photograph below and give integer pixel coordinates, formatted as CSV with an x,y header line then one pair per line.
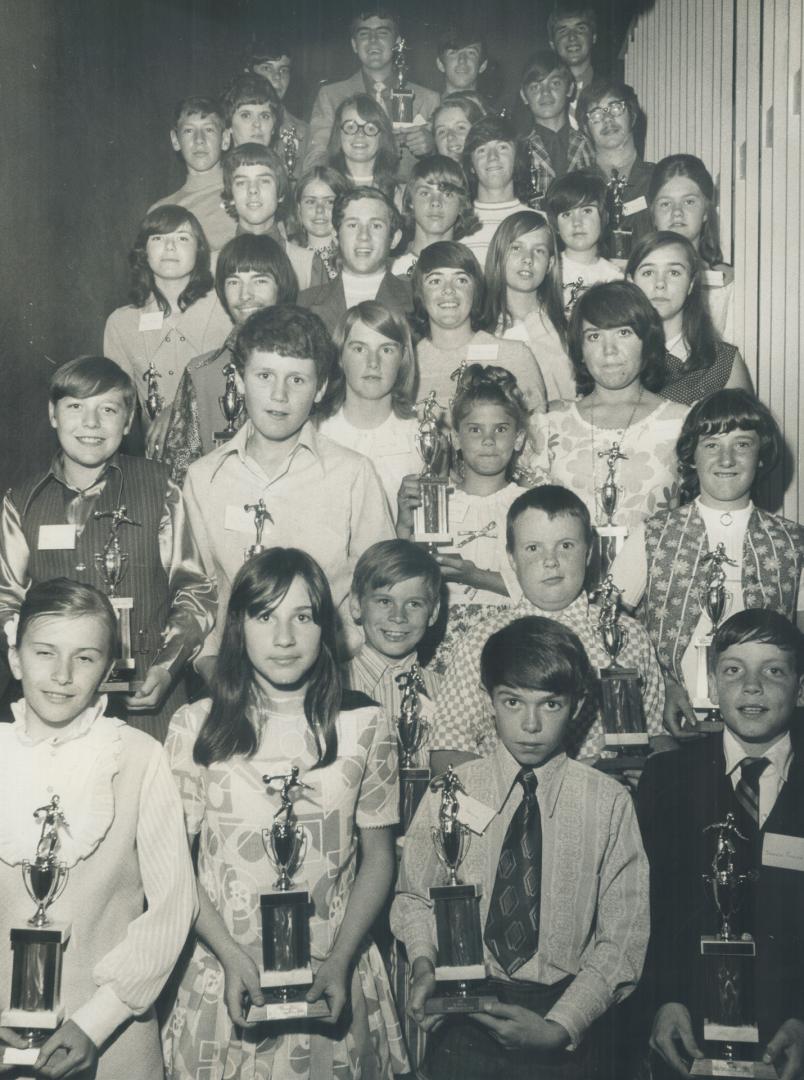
x,y
420,948
102,1015
570,1019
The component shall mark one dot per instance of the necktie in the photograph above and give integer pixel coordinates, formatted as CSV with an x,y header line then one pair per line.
x,y
747,790
379,88
512,924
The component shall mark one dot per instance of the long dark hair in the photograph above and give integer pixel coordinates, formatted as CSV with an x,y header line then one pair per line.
x,y
261,585
453,256
694,169
157,222
384,166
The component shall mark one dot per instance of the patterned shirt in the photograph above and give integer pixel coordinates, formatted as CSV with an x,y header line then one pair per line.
x,y
464,719
593,920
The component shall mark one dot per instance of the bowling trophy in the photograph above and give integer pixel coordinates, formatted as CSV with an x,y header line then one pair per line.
x,y
112,563
538,180
35,1009
261,515
285,973
460,964
231,404
622,710
430,519
289,138
412,732
729,958
714,601
153,400
621,237
401,93
610,536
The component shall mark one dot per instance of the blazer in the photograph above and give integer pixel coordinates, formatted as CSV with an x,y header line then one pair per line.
x,y
328,301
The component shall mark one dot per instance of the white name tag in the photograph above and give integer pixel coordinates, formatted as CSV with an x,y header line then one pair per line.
x,y
634,206
151,320
784,852
481,353
474,814
714,279
236,519
56,538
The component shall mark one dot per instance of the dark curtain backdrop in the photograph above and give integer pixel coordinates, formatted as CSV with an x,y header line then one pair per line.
x,y
88,88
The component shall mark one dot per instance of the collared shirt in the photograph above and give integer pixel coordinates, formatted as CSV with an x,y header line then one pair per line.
x,y
464,719
559,152
593,921
324,499
202,194
773,777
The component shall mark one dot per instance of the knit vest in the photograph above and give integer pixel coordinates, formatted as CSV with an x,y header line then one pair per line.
x,y
140,486
676,543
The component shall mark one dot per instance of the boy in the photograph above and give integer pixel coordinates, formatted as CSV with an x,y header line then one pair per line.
x,y
315,494
200,135
395,599
49,528
493,163
367,225
252,111
564,878
373,34
754,770
461,60
572,31
255,187
555,146
274,61
549,542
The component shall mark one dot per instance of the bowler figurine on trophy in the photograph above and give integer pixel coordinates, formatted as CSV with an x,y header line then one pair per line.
x,y
35,1009
289,138
401,93
153,400
430,518
622,710
112,562
729,958
620,236
714,600
285,973
261,515
412,732
231,405
611,536
460,962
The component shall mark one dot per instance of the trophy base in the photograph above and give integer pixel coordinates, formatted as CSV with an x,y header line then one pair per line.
x,y
708,719
121,683
460,990
10,1055
623,760
32,1019
284,993
621,240
220,438
759,1070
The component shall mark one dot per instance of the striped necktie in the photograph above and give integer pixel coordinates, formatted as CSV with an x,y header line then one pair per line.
x,y
747,790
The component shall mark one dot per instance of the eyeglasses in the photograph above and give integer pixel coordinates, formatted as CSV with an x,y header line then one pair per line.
x,y
351,127
614,108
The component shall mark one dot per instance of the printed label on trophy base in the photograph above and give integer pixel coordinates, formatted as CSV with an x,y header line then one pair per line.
x,y
412,785
285,993
745,1070
119,680
466,998
9,1055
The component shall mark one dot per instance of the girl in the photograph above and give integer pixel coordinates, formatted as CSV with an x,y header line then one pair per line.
x,y
452,120
524,297
174,313
489,425
448,303
362,144
129,895
311,226
496,167
728,443
576,207
667,268
436,206
681,199
277,703
370,398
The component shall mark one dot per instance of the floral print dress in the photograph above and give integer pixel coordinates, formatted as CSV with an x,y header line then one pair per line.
x,y
229,805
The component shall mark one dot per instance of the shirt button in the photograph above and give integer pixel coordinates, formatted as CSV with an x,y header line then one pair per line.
x,y
181,339
170,372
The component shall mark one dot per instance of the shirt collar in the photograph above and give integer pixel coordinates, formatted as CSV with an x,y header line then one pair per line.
x,y
238,444
780,755
579,607
56,472
377,666
212,178
75,730
550,777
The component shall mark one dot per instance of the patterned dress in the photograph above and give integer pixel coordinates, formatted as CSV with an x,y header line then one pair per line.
x,y
229,805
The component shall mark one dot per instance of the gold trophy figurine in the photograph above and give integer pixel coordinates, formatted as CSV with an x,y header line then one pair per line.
x,y
714,600
153,400
38,945
112,562
261,515
401,93
231,405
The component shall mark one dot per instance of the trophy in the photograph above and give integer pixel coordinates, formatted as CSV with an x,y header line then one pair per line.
x,y
401,93
623,714
286,974
412,731
610,535
620,236
231,404
35,1009
729,957
289,138
575,290
112,565
153,400
261,515
714,600
460,963
538,180
430,520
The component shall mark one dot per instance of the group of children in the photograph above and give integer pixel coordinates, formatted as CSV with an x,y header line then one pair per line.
x,y
306,311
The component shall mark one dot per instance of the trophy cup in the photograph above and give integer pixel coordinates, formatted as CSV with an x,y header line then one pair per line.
x,y
286,974
728,957
231,404
460,963
430,520
112,565
261,515
620,236
623,714
412,731
35,1009
153,400
610,535
714,600
289,138
401,93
